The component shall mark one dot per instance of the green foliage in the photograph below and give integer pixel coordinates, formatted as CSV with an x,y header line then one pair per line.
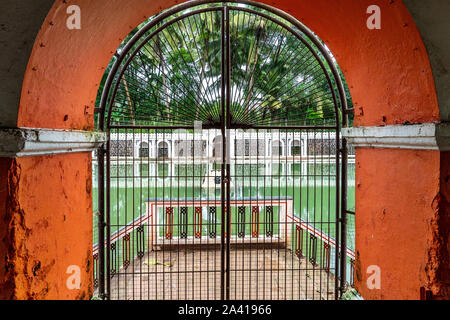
x,y
174,77
351,294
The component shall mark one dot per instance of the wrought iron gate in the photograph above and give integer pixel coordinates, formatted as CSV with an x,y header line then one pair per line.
x,y
224,175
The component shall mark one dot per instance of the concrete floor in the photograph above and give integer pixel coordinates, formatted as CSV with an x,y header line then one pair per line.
x,y
267,274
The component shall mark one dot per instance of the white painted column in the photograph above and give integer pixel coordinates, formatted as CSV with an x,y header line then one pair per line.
x,y
288,147
289,211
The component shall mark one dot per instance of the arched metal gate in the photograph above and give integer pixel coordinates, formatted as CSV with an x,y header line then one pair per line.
x,y
224,174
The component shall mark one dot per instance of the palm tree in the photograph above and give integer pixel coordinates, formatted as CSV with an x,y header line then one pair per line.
x,y
176,76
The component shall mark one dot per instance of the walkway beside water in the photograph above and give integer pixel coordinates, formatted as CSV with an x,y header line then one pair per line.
x,y
195,275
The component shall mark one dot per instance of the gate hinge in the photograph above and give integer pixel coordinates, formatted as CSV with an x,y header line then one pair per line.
x,y
101,224
102,146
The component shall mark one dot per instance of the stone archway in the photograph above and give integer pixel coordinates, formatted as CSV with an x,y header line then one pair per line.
x,y
391,82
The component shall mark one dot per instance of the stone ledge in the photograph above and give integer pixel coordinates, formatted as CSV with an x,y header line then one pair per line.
x,y
429,136
22,142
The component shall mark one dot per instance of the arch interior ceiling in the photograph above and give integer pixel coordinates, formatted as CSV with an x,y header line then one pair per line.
x,y
173,73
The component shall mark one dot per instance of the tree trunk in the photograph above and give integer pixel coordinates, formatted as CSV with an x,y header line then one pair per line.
x,y
130,103
251,82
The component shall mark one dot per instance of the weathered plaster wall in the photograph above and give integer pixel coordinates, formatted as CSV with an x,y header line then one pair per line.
x,y
431,17
440,257
45,226
20,22
5,164
396,229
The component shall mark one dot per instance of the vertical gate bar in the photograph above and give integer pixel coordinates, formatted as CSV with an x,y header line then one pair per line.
x,y
141,153
121,224
251,150
114,256
108,217
150,221
222,178
321,200
159,222
280,225
194,283
226,147
127,239
267,152
164,160
95,270
344,218
299,176
329,198
279,176
352,268
101,219
179,214
314,210
338,214
343,105
176,174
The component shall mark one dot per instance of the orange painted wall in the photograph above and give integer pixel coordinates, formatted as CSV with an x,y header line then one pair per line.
x,y
388,70
391,82
5,164
46,226
396,207
440,256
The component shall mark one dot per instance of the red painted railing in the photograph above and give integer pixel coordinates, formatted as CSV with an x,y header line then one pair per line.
x,y
198,222
298,241
169,223
255,222
325,238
